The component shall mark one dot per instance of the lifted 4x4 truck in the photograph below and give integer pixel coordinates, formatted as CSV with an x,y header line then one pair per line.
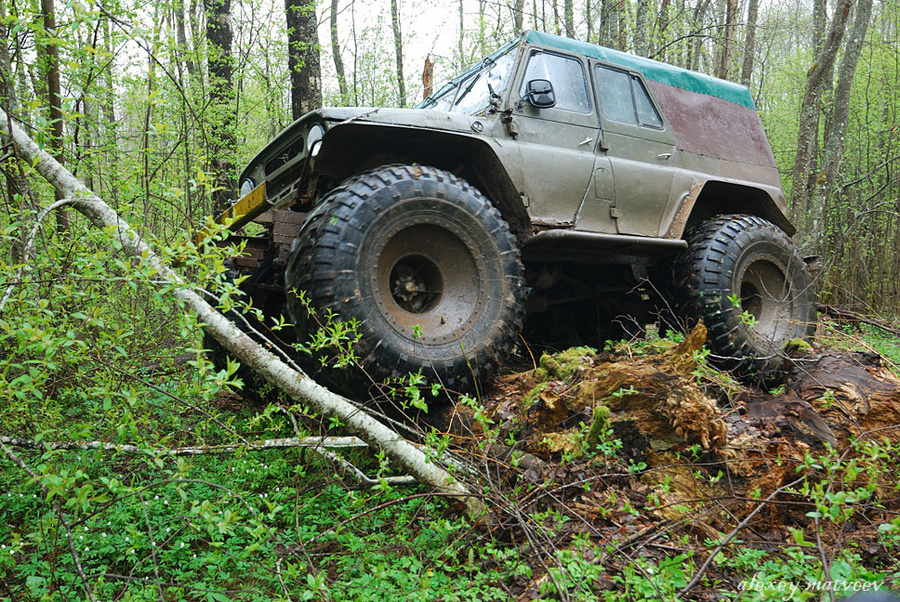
x,y
552,171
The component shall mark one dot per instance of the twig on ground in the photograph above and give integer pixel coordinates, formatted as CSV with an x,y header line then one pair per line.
x,y
703,568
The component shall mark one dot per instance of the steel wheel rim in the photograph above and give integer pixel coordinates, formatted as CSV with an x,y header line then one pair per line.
x,y
427,280
765,294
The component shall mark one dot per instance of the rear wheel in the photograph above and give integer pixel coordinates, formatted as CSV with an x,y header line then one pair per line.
x,y
745,278
426,266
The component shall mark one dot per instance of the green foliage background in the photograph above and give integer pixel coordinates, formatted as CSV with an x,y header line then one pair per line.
x,y
91,349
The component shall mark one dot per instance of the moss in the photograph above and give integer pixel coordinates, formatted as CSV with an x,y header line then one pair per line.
x,y
797,345
599,424
532,396
564,365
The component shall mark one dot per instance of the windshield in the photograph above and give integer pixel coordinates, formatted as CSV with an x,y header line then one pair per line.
x,y
473,90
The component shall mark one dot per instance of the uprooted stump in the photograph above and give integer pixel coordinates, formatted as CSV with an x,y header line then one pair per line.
x,y
652,403
691,438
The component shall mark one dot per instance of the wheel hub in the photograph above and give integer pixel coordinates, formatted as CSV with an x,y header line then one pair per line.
x,y
416,284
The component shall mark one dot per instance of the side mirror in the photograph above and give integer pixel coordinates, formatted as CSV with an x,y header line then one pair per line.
x,y
539,93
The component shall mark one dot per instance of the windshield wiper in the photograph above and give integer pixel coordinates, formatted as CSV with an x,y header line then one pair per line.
x,y
487,63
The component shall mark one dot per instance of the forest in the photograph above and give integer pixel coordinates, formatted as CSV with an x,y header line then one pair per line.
x,y
135,468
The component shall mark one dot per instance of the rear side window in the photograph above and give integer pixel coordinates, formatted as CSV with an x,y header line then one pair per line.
x,y
567,76
623,98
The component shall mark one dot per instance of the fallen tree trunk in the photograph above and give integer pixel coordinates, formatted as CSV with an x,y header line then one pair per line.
x,y
295,384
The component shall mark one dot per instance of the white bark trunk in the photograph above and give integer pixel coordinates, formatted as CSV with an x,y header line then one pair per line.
x,y
296,385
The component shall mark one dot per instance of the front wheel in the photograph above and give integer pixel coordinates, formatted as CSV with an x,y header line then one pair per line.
x,y
745,278
423,263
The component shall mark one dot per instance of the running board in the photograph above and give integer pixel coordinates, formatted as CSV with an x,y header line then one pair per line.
x,y
592,247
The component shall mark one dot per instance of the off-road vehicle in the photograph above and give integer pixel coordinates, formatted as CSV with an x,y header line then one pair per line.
x,y
551,172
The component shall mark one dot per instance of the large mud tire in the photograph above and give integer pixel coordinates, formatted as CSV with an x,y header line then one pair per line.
x,y
424,263
746,258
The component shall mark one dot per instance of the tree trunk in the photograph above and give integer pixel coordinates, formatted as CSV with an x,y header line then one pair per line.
x,y
460,50
727,40
184,50
54,98
622,25
336,52
696,43
641,40
569,17
589,19
9,101
303,57
804,170
749,42
518,13
221,94
427,78
295,384
604,33
662,28
820,21
398,50
834,137
482,46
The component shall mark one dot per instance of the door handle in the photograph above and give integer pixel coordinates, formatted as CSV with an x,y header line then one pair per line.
x,y
664,156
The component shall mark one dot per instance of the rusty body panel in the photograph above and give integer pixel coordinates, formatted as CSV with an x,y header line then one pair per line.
x,y
712,127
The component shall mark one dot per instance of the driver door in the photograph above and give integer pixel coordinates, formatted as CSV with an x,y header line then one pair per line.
x,y
557,144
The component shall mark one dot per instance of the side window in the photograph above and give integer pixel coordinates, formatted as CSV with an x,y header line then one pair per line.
x,y
623,98
567,76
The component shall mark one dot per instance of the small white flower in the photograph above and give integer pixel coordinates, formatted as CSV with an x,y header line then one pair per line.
x,y
81,537
132,550
168,529
104,535
182,544
86,548
11,551
165,502
126,539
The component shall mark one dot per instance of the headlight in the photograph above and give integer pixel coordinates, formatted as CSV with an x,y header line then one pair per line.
x,y
313,139
247,187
